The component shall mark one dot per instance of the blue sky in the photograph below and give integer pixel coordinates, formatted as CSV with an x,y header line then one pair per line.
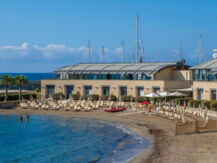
x,y
42,35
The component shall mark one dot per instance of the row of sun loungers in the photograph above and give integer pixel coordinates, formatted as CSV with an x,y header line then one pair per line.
x,y
68,105
182,113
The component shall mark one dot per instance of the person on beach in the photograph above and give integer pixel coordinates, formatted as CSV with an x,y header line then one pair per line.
x,y
27,118
21,118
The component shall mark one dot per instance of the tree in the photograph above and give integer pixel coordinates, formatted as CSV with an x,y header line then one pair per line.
x,y
20,80
6,80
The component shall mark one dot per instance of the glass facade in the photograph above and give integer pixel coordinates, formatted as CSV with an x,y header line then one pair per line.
x,y
123,90
200,94
140,91
105,90
213,94
156,89
69,90
204,75
88,90
109,77
50,90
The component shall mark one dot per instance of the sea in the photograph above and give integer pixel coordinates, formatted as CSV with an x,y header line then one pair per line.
x,y
56,138
32,76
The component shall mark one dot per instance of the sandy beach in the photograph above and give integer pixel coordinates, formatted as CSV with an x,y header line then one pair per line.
x,y
194,148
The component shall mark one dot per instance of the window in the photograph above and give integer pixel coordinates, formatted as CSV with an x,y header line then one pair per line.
x,y
88,90
213,94
200,94
140,91
108,76
71,76
50,90
69,90
105,90
123,91
156,89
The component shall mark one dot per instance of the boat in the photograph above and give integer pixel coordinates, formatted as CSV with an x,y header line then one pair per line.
x,y
145,103
114,109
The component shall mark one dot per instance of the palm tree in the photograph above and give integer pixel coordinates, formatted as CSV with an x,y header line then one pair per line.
x,y
6,80
20,80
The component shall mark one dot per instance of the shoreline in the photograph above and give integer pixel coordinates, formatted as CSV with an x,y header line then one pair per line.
x,y
166,147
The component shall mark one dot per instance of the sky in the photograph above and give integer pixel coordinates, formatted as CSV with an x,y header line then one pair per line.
x,y
42,35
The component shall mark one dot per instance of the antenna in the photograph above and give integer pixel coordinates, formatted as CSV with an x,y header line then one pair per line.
x,y
103,55
122,51
89,50
143,54
137,39
200,48
133,57
157,55
206,55
181,51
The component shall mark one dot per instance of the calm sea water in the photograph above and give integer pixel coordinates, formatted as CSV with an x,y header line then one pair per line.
x,y
66,139
33,76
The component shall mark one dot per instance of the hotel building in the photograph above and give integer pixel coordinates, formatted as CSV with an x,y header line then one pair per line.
x,y
136,79
205,80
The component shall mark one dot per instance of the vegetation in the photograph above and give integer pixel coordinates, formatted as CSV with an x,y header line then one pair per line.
x,y
20,80
15,96
58,96
37,90
105,97
181,101
6,80
213,105
127,98
94,97
141,99
112,98
76,96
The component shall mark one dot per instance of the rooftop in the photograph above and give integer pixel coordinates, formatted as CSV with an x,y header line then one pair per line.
x,y
117,67
209,65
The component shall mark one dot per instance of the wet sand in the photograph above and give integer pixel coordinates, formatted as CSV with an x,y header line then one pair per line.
x,y
167,148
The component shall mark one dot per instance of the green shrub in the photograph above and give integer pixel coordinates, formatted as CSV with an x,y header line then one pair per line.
x,y
76,96
139,99
213,105
105,97
14,97
181,101
197,103
94,97
112,97
214,109
206,104
191,103
127,98
58,96
155,99
37,90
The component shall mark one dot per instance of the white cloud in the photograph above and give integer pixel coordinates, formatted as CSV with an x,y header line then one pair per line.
x,y
55,53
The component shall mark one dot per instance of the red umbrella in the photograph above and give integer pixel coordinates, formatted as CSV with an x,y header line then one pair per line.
x,y
145,102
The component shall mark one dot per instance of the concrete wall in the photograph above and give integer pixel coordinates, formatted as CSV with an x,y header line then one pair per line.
x,y
9,104
206,86
164,74
114,85
177,84
181,75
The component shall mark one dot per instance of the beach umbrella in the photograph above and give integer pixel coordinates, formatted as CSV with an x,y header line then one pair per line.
x,y
152,95
145,102
164,94
177,94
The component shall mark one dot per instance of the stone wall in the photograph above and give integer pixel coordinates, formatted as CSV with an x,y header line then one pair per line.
x,y
206,86
132,85
195,127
